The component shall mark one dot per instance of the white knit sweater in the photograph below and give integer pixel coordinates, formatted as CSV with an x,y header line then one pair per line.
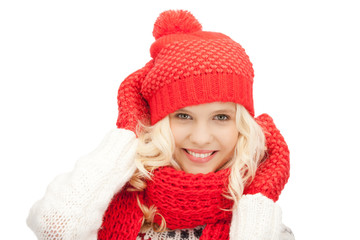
x,y
74,203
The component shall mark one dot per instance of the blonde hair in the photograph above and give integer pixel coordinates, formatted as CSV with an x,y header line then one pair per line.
x,y
156,147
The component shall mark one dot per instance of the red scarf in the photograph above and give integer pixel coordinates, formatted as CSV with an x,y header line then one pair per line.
x,y
186,200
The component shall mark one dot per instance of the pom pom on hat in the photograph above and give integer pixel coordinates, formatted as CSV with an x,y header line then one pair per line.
x,y
175,21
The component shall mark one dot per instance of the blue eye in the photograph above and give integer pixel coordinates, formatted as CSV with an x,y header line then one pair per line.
x,y
222,117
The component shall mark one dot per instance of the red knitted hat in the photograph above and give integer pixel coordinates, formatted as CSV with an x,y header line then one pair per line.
x,y
188,67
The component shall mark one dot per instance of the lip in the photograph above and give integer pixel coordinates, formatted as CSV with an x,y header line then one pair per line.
x,y
200,151
199,160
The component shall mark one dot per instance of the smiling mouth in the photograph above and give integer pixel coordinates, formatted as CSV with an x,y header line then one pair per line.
x,y
199,155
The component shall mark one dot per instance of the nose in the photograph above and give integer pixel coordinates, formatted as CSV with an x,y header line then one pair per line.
x,y
201,135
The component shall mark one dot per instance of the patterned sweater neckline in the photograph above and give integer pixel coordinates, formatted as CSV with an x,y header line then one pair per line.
x,y
178,234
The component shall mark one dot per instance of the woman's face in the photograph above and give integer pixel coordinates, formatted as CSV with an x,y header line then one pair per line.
x,y
205,136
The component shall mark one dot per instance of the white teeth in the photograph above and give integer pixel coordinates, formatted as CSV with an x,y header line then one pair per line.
x,y
199,155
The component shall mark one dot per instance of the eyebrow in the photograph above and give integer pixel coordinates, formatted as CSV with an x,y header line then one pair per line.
x,y
225,111
228,111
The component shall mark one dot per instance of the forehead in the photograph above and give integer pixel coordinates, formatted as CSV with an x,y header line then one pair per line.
x,y
211,107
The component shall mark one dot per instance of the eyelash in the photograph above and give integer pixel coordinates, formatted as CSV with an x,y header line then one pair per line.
x,y
181,116
223,115
184,116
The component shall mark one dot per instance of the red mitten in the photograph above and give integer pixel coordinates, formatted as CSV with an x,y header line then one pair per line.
x,y
257,216
273,173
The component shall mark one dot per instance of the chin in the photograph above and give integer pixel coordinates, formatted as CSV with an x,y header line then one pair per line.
x,y
196,170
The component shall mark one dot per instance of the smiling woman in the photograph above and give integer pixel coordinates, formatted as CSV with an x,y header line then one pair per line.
x,y
205,136
202,161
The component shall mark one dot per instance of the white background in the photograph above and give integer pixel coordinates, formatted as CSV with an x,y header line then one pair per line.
x,y
61,63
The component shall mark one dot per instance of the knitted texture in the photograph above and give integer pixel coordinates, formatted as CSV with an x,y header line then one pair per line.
x,y
172,22
186,200
188,67
75,202
256,217
133,107
178,234
122,219
284,233
192,72
274,172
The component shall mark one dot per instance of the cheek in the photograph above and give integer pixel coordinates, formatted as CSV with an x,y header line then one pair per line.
x,y
178,134
229,146
234,139
230,138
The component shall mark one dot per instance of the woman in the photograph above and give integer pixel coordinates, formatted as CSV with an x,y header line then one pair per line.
x,y
202,166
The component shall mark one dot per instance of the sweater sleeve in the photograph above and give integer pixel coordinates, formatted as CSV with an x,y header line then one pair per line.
x,y
256,217
74,203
